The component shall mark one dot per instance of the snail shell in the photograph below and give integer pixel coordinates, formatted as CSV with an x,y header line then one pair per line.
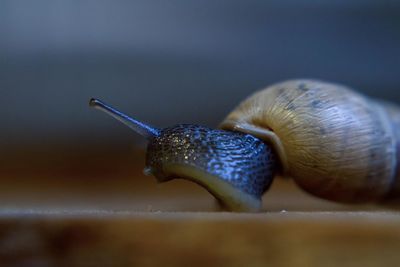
x,y
335,143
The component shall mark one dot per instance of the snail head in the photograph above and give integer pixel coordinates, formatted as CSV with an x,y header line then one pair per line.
x,y
236,168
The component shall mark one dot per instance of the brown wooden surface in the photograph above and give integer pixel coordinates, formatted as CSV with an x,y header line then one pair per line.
x,y
80,208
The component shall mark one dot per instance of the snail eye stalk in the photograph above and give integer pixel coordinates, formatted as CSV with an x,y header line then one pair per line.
x,y
141,128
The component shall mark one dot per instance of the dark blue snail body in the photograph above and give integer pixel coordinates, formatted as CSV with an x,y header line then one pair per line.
x,y
239,161
236,168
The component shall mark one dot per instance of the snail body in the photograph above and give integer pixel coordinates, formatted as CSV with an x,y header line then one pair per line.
x,y
335,143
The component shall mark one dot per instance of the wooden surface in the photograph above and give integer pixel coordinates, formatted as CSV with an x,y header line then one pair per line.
x,y
201,239
80,208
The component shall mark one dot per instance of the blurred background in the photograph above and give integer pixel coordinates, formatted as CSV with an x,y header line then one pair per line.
x,y
168,62
164,62
175,61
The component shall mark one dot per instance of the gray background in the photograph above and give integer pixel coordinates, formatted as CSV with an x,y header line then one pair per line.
x,y
176,61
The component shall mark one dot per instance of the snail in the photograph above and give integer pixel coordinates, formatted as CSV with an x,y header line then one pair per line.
x,y
334,143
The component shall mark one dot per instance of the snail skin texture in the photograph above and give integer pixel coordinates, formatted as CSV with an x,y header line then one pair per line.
x,y
335,143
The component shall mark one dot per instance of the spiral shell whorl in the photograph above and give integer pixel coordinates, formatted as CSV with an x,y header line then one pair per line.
x,y
335,143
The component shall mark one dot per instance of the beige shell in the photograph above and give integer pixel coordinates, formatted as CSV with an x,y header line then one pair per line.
x,y
334,142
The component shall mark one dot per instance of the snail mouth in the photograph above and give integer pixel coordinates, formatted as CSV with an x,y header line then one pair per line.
x,y
230,197
159,175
